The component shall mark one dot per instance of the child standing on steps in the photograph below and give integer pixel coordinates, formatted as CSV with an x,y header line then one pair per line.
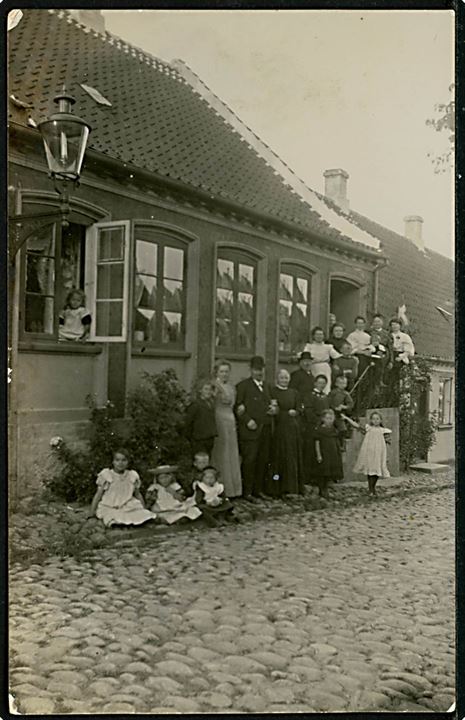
x,y
118,500
328,452
372,458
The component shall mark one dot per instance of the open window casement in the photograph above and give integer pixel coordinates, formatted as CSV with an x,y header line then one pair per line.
x,y
107,280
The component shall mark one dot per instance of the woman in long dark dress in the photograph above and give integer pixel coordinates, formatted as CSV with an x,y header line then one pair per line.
x,y
328,452
287,440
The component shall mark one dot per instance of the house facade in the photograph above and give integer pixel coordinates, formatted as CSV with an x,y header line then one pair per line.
x,y
423,281
191,240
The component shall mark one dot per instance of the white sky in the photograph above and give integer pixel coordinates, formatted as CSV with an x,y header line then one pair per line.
x,y
328,89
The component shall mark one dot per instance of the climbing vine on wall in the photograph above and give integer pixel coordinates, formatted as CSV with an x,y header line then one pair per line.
x,y
417,428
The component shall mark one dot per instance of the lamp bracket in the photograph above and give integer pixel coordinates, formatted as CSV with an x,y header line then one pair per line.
x,y
21,227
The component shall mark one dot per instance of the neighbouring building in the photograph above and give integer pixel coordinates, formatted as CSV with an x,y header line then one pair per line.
x,y
190,237
423,281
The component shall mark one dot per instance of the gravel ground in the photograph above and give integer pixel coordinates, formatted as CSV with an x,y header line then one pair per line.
x,y
350,607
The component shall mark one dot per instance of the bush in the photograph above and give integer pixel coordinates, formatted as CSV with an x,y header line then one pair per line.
x,y
417,429
152,434
156,411
74,479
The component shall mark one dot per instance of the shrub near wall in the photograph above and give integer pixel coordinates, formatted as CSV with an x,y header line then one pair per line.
x,y
153,434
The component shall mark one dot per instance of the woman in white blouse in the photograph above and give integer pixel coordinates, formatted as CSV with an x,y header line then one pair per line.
x,y
402,343
322,353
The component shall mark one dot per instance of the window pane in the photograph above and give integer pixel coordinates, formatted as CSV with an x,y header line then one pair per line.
x,y
246,273
285,310
301,290
301,326
171,329
146,257
224,304
144,324
245,330
42,242
70,261
225,274
174,263
40,274
172,296
145,291
109,320
39,313
286,283
245,307
110,280
224,333
111,244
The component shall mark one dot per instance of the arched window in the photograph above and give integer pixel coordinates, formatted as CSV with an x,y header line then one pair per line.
x,y
236,290
294,308
53,265
159,288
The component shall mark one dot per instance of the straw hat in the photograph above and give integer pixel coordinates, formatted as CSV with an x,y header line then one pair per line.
x,y
164,469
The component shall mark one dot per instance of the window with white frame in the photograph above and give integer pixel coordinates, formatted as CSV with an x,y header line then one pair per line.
x,y
294,308
159,289
107,280
236,292
53,264
445,401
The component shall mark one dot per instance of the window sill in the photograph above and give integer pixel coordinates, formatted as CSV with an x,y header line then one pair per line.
x,y
147,351
59,348
241,357
446,426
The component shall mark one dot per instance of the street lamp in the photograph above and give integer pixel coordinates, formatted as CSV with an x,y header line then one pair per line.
x,y
65,139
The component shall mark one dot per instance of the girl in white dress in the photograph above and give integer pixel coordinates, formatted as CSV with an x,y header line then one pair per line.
x,y
166,497
372,458
118,500
322,353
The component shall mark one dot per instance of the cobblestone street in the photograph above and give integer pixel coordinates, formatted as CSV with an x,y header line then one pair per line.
x,y
340,609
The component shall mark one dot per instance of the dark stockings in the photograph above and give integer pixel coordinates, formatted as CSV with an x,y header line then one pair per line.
x,y
372,480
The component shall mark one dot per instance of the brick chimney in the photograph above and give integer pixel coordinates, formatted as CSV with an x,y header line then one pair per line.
x,y
336,187
91,18
413,230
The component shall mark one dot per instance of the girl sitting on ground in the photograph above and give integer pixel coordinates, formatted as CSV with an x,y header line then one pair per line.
x,y
74,319
118,500
328,453
210,498
372,458
166,497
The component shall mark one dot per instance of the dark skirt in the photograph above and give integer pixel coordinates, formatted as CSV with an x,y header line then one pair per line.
x,y
286,464
330,447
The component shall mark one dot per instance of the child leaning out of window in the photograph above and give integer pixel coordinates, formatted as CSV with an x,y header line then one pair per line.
x,y
75,319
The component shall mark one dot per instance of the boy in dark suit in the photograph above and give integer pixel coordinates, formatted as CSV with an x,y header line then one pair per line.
x,y
302,379
254,412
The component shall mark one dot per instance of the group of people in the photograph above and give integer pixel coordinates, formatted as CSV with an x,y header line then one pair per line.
x,y
119,500
256,440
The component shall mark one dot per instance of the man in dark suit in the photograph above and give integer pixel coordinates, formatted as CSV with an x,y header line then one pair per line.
x,y
302,379
254,412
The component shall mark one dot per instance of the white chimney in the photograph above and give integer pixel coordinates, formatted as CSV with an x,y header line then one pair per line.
x,y
413,230
336,187
91,18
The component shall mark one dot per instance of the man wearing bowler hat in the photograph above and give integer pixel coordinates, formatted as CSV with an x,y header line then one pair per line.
x,y
302,379
254,412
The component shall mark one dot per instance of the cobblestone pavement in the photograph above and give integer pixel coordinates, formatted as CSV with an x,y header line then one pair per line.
x,y
340,609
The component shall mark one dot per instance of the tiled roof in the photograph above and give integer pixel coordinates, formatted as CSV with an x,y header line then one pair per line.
x,y
421,280
156,121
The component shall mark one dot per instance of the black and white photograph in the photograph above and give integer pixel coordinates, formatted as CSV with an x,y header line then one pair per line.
x,y
231,361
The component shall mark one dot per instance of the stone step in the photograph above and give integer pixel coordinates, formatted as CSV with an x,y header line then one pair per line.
x,y
430,467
